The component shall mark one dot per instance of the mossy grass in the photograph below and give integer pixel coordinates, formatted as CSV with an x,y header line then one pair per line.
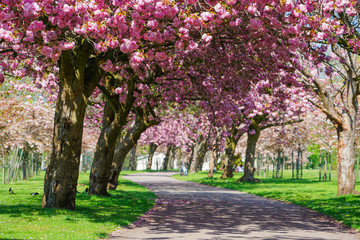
x,y
21,215
307,192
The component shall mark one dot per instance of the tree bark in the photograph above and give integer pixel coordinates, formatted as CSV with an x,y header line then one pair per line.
x,y
197,154
77,82
213,160
105,147
167,158
346,161
132,166
250,154
115,118
152,150
230,145
123,149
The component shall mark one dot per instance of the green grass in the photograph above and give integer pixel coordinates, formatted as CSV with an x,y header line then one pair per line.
x,y
308,192
21,215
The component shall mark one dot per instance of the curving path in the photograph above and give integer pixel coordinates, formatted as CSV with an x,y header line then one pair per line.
x,y
187,210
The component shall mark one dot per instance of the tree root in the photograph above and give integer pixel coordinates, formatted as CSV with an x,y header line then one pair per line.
x,y
248,179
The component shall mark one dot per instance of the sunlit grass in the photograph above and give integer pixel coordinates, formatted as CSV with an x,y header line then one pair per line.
x,y
308,192
21,215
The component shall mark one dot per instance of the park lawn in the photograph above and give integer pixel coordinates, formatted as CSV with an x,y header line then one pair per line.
x,y
308,192
21,215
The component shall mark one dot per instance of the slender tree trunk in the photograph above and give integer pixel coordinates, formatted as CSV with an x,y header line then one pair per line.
x,y
178,157
77,82
152,150
24,164
132,166
278,159
250,155
213,161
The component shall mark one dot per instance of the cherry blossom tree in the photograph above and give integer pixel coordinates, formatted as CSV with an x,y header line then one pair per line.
x,y
330,67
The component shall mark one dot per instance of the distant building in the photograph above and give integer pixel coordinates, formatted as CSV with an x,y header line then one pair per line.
x,y
157,161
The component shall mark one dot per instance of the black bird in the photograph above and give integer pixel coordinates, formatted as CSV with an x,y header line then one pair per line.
x,y
11,191
34,194
86,190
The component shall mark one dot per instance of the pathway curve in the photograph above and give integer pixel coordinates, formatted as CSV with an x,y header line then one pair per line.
x,y
187,210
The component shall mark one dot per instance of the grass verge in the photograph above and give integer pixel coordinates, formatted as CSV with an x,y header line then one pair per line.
x,y
307,192
21,215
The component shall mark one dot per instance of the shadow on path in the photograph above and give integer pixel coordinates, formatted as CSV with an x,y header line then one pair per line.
x,y
195,211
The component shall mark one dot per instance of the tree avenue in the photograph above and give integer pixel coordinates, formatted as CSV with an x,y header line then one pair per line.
x,y
247,65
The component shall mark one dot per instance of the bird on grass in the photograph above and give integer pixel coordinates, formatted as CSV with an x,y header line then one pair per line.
x,y
86,190
11,191
34,194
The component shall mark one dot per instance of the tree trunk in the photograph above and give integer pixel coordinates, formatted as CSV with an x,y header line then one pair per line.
x,y
167,157
197,154
278,159
230,145
132,166
346,160
152,150
77,82
199,161
250,154
105,147
123,149
213,160
191,157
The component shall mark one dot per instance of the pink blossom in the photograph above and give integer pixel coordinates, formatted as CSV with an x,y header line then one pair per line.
x,y
66,45
152,24
36,26
180,45
47,51
136,59
128,46
161,56
107,66
252,9
206,38
255,23
206,16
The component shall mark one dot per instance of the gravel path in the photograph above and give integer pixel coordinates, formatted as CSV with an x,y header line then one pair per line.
x,y
187,210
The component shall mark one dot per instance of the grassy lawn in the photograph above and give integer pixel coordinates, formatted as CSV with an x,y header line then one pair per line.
x,y
21,215
308,192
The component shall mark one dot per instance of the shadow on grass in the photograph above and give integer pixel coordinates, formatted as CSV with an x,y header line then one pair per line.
x,y
122,208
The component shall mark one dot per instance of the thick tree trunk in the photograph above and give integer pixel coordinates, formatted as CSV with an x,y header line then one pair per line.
x,y
346,160
197,155
123,149
77,82
152,150
167,158
230,145
199,161
115,117
229,158
250,155
105,147
62,173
